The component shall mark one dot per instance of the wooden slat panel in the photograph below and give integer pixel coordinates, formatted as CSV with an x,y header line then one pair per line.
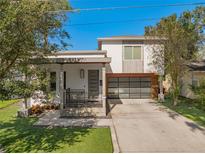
x,y
133,66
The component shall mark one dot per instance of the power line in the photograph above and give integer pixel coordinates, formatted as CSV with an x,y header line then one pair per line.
x,y
109,22
130,7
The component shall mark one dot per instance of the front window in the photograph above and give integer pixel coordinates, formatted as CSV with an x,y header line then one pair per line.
x,y
132,52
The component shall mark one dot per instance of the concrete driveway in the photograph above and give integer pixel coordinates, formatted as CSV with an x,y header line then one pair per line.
x,y
149,127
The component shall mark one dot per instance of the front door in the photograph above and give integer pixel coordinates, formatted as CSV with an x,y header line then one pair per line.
x,y
93,84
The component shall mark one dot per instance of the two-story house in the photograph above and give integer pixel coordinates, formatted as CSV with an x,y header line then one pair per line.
x,y
119,70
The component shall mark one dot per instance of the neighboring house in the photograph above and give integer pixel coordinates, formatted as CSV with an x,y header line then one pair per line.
x,y
120,69
193,77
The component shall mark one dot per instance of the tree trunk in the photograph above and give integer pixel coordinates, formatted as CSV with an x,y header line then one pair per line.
x,y
25,96
175,92
25,103
175,101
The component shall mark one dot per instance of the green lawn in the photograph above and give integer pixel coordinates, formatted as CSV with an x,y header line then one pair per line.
x,y
18,135
6,103
189,109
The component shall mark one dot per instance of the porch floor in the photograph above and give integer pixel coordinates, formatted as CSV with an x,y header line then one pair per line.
x,y
86,103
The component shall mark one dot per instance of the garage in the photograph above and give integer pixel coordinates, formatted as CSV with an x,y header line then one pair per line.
x,y
125,87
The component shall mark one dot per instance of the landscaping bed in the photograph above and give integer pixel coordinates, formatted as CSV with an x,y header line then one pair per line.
x,y
188,108
19,135
37,110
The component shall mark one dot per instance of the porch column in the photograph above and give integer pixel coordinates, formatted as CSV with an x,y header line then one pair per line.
x,y
104,88
61,86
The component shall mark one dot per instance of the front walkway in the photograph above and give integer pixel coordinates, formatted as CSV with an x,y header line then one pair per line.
x,y
150,127
52,118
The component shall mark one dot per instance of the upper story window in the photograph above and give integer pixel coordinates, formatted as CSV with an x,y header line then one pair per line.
x,y
132,52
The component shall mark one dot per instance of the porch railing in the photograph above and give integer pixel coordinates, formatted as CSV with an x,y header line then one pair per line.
x,y
79,98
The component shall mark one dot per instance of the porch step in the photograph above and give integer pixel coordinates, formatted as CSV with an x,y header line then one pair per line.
x,y
83,112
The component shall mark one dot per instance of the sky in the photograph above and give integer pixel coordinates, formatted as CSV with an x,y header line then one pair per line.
x,y
84,37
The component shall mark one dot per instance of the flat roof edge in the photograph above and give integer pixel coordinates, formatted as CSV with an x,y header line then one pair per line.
x,y
124,39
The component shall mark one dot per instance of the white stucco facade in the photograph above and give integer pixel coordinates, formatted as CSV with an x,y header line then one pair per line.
x,y
115,51
73,80
148,53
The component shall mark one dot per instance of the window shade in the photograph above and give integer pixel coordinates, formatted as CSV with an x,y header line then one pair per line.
x,y
132,52
136,52
128,52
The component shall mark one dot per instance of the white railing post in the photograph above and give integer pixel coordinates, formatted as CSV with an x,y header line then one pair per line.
x,y
104,88
61,86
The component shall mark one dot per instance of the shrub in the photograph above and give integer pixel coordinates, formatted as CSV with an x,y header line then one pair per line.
x,y
47,106
199,91
37,109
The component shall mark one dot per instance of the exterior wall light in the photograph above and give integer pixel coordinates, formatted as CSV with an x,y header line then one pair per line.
x,y
82,73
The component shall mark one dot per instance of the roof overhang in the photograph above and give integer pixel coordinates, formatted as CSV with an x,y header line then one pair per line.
x,y
73,57
80,52
81,60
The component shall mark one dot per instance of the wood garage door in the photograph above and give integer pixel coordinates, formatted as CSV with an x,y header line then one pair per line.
x,y
129,87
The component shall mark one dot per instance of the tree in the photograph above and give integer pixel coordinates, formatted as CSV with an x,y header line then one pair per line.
x,y
34,78
26,28
24,83
178,41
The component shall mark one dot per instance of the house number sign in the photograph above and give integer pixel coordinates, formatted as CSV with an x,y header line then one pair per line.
x,y
74,60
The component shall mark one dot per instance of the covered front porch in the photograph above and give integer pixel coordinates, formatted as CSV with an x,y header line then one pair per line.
x,y
79,82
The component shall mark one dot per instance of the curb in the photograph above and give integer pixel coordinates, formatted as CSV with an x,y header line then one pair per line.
x,y
115,142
